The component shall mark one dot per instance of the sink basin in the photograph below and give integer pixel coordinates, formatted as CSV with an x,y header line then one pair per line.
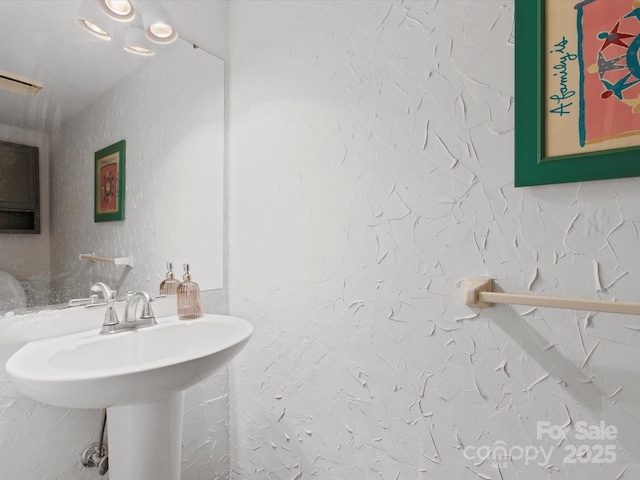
x,y
87,370
139,376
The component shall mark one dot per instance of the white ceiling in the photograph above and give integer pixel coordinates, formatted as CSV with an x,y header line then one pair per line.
x,y
41,40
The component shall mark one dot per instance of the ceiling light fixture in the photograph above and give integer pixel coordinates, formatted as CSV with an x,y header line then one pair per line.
x,y
90,18
120,10
158,25
96,17
136,42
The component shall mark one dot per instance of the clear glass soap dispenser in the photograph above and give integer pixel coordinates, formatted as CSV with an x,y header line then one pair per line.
x,y
169,285
188,294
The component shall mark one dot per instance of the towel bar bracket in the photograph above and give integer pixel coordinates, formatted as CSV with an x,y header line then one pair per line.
x,y
473,286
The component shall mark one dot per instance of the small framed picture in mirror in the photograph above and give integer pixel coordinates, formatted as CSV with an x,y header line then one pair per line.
x,y
109,183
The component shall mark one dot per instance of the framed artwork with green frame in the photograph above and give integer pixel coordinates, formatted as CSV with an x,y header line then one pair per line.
x,y
577,88
109,176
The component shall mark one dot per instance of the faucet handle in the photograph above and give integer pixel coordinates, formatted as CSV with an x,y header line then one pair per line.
x,y
110,318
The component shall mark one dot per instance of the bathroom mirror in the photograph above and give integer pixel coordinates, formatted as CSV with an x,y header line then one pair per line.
x,y
169,109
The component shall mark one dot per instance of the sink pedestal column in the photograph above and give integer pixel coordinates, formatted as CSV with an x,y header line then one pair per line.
x,y
145,440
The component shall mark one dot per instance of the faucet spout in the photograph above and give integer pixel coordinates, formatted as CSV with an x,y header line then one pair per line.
x,y
146,317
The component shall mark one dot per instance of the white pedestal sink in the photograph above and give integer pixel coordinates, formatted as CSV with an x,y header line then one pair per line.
x,y
138,376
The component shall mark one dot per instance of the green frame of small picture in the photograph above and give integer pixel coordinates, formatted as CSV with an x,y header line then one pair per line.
x,y
113,155
532,166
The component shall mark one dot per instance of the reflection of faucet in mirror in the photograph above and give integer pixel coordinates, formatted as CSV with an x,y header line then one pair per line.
x,y
101,287
97,289
76,302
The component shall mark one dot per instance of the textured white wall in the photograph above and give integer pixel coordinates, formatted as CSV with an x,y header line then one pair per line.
x,y
371,148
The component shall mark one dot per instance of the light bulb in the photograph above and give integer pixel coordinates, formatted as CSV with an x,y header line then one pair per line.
x,y
93,21
161,30
96,28
158,24
120,10
140,50
119,7
136,42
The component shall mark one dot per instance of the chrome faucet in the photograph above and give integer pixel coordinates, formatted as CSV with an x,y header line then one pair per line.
x,y
147,319
97,290
103,288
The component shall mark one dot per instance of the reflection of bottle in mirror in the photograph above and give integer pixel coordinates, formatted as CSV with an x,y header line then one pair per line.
x,y
188,295
169,284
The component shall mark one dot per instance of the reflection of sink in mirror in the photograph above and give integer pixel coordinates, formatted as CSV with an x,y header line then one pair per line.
x,y
139,376
174,147
12,295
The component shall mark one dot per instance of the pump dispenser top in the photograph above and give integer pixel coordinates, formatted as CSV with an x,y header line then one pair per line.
x,y
169,285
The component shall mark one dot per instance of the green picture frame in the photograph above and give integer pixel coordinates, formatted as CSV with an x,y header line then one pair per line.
x,y
532,165
109,181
